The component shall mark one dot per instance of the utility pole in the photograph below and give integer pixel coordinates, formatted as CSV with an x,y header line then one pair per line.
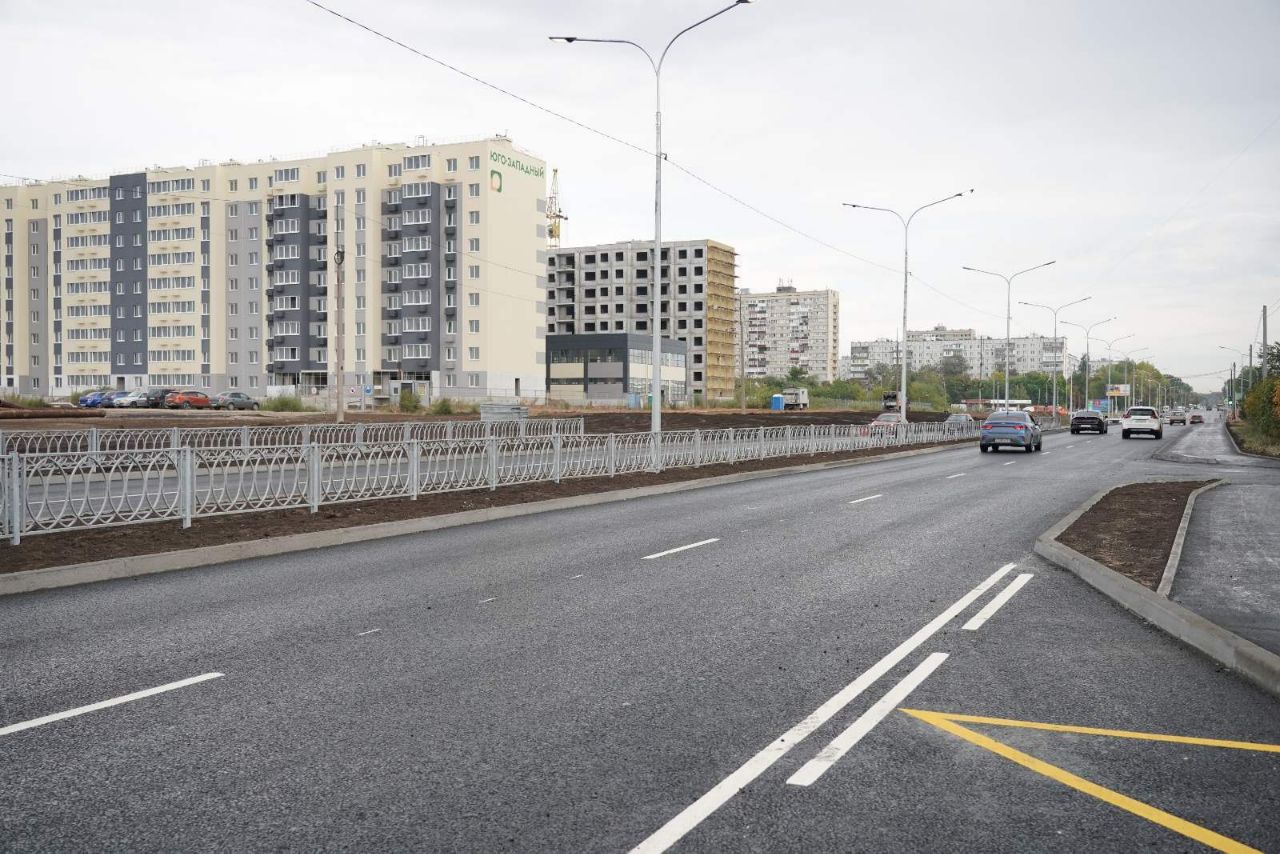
x,y
1264,342
340,348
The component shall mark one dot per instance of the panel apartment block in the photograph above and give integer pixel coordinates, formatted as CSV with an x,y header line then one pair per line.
x,y
222,276
982,355
792,329
606,288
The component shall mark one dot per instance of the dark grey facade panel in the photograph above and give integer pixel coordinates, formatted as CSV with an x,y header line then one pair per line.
x,y
128,256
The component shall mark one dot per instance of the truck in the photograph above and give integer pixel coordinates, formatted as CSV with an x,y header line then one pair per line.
x,y
795,398
889,401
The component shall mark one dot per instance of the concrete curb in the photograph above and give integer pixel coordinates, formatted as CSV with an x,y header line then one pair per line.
x,y
1175,553
1249,660
1173,455
128,567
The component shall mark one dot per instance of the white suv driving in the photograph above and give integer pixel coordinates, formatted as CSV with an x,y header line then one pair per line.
x,y
1142,419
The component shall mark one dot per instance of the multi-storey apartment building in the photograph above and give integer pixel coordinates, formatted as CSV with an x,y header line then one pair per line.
x,y
224,276
606,288
982,355
792,329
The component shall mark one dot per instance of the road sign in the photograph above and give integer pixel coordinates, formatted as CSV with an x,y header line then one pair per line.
x,y
1121,390
368,389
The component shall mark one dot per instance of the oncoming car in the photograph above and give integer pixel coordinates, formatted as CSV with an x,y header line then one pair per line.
x,y
1012,429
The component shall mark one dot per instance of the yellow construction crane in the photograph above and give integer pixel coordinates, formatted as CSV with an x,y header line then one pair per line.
x,y
554,214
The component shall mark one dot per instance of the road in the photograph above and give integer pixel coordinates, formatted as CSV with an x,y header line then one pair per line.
x,y
626,674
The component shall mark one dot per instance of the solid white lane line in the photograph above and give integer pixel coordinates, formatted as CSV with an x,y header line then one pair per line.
x,y
719,794
950,476
844,742
1046,452
575,577
681,548
106,704
370,632
868,498
1011,462
487,601
997,602
1069,447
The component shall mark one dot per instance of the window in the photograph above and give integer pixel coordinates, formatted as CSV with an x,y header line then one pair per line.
x,y
473,191
253,183
451,192
473,162
417,162
473,217
361,169
416,190
473,299
473,354
451,164
450,354
321,176
473,271
473,326
233,185
473,380
360,197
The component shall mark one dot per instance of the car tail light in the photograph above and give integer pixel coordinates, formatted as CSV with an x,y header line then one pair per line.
x,y
986,426
1019,427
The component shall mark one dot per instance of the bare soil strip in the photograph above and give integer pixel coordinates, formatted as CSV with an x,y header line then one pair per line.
x,y
72,547
1132,529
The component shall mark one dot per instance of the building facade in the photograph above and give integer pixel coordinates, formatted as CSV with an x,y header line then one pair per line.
x,y
614,368
792,329
606,288
224,277
982,355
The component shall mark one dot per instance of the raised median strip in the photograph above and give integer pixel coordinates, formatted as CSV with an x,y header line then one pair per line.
x,y
1248,659
146,564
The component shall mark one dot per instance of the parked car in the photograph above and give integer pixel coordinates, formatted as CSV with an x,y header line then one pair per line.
x,y
1197,418
186,400
233,400
958,422
156,396
92,399
886,422
1010,428
1088,419
133,399
1178,416
1142,419
109,399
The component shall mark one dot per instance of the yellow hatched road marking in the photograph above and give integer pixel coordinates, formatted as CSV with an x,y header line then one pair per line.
x,y
948,723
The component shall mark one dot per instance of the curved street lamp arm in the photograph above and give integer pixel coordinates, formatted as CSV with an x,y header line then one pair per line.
x,y
572,39
1029,269
658,66
938,202
874,208
987,272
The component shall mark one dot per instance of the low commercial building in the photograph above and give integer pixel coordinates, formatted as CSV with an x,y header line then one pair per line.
x,y
614,368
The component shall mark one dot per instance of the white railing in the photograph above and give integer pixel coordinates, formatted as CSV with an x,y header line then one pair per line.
x,y
172,438
75,490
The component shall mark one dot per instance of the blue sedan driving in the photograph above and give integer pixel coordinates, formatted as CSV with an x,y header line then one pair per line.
x,y
1010,429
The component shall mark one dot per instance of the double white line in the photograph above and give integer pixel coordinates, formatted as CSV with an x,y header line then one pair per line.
x,y
691,816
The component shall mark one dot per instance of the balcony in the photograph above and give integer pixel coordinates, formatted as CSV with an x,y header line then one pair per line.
x,y
391,260
319,314
320,239
390,234
390,207
390,339
391,313
391,286
319,263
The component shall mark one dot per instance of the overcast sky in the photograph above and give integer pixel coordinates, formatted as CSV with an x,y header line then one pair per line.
x,y
1135,142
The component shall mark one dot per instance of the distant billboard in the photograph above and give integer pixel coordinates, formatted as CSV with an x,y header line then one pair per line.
x,y
1121,390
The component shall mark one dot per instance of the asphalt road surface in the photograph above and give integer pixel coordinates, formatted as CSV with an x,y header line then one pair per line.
x,y
716,670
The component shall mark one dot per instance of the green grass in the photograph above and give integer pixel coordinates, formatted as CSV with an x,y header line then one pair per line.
x,y
1252,440
24,402
284,403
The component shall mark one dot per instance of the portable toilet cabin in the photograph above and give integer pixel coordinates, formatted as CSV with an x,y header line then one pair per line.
x,y
777,403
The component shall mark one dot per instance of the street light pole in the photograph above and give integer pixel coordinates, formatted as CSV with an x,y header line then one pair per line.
x,y
340,347
1056,347
1111,359
1129,363
1088,365
655,284
1008,315
906,275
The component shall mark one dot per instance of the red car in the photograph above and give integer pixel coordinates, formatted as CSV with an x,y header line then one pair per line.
x,y
186,400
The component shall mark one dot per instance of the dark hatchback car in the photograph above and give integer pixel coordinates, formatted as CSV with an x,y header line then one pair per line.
x,y
1010,429
155,397
233,400
1088,419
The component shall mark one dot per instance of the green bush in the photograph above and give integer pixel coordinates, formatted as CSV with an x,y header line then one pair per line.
x,y
284,403
443,406
25,402
409,402
1262,407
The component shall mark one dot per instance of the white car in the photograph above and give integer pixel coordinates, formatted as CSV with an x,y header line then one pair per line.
x,y
132,400
1142,419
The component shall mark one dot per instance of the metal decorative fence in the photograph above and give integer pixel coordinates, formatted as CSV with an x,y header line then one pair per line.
x,y
171,438
68,490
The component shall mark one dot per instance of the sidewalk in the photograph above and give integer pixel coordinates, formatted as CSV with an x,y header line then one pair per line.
x,y
1230,568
